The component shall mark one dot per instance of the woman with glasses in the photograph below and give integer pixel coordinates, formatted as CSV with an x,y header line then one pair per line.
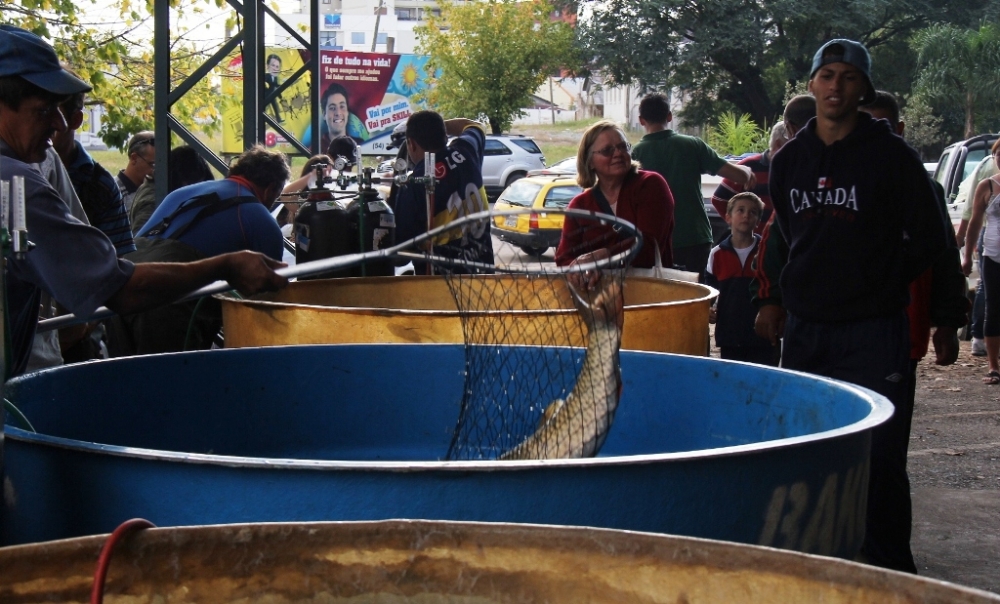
x,y
614,184
986,206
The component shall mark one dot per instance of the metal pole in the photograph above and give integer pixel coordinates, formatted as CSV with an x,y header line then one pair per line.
x,y
552,101
161,96
253,74
314,67
378,17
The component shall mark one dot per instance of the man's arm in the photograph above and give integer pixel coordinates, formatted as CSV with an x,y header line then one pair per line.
x,y
723,193
154,284
924,218
455,126
741,175
765,292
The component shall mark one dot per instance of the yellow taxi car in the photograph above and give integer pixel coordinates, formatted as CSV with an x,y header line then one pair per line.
x,y
537,231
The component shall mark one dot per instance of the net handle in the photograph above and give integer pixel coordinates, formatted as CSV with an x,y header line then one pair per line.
x,y
402,250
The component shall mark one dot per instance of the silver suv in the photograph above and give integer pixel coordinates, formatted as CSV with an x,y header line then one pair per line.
x,y
507,158
958,161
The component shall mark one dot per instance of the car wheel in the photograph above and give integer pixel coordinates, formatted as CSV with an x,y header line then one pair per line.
x,y
513,177
533,251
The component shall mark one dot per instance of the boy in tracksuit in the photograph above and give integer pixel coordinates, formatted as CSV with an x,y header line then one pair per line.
x,y
862,221
730,271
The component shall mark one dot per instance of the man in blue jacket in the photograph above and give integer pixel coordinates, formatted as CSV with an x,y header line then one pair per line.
x,y
862,221
203,220
458,190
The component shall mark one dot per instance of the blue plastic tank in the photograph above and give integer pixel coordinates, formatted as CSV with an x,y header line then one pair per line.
x,y
699,447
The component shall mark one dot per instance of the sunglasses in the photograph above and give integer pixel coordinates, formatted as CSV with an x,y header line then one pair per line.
x,y
136,145
609,151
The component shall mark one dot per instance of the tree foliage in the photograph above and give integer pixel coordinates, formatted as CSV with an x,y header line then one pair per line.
x,y
923,128
736,135
960,67
117,59
491,55
744,54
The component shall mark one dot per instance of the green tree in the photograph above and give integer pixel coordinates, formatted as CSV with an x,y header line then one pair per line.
x,y
744,54
959,67
491,55
118,60
923,128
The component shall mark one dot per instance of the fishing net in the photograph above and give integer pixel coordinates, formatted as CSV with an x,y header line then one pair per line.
x,y
526,343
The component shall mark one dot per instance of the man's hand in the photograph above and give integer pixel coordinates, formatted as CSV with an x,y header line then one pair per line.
x,y
945,345
251,272
967,265
770,323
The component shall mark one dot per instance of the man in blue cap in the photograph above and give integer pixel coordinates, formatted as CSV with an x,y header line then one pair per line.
x,y
72,261
861,219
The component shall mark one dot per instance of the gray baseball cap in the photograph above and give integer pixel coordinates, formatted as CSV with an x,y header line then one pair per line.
x,y
846,51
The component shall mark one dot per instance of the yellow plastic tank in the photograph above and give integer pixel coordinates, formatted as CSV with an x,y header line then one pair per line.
x,y
423,562
660,315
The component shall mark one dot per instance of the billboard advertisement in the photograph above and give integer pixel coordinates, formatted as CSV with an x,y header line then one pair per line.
x,y
366,95
291,109
363,95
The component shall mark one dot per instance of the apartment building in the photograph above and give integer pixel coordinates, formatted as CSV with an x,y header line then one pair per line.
x,y
351,24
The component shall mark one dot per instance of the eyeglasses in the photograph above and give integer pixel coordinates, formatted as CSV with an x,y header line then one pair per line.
x,y
609,151
45,111
151,164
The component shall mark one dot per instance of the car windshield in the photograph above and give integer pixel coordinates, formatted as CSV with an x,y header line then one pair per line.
x,y
567,164
521,193
559,197
527,144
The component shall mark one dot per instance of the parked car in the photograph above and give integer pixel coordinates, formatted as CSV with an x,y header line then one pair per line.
x,y
508,158
959,160
982,169
537,231
566,167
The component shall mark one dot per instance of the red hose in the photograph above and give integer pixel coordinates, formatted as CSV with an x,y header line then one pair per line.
x,y
104,560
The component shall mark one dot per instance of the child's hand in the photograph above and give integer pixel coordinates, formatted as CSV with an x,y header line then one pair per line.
x,y
711,315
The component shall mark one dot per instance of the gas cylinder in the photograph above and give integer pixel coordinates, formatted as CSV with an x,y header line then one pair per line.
x,y
327,227
373,226
323,230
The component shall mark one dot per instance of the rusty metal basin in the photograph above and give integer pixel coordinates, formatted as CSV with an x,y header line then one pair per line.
x,y
660,315
429,562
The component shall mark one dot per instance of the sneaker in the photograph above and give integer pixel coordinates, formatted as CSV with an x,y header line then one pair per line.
x,y
978,347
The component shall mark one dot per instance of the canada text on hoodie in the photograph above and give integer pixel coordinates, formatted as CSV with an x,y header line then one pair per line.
x,y
861,220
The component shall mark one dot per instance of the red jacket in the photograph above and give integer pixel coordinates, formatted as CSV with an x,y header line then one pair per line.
x,y
645,201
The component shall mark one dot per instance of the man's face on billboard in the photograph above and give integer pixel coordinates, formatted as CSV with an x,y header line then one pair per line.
x,y
336,114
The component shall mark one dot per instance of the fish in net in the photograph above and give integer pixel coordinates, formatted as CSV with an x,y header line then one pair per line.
x,y
542,378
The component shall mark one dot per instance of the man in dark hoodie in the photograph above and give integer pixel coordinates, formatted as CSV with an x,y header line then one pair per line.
x,y
862,221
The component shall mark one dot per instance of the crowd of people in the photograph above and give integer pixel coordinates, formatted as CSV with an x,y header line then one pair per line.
x,y
839,262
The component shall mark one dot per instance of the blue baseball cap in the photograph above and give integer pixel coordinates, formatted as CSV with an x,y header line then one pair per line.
x,y
850,52
24,54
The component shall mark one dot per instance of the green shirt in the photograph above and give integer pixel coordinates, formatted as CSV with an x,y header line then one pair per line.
x,y
681,160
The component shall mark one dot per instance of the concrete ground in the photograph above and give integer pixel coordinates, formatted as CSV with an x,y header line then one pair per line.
x,y
954,467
